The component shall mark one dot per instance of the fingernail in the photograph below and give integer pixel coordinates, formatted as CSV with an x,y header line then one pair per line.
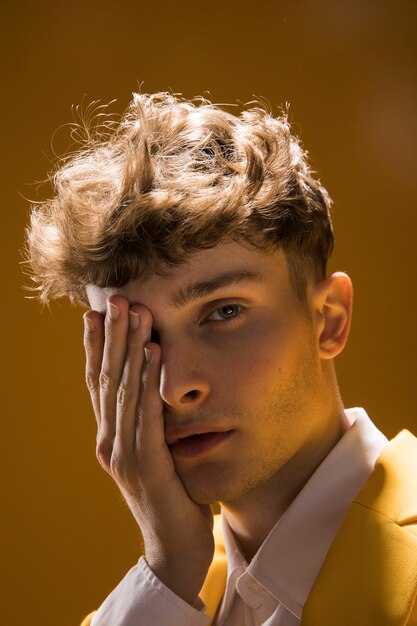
x,y
112,310
134,320
148,355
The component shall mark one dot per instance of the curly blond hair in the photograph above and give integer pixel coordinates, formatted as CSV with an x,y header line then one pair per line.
x,y
172,177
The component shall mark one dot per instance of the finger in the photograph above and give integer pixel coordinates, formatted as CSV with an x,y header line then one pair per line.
x,y
130,389
114,353
93,345
150,433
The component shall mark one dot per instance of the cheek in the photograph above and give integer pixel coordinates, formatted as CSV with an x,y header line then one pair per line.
x,y
249,365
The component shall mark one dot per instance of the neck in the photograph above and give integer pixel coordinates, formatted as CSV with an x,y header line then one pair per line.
x,y
253,516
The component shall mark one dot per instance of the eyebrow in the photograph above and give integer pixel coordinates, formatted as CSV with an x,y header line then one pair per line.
x,y
196,291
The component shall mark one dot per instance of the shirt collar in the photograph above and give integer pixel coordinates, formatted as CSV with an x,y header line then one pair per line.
x,y
289,560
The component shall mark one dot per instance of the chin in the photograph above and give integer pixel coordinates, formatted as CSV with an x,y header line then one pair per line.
x,y
205,493
206,487
208,484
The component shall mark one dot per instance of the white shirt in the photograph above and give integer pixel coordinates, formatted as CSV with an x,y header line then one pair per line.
x,y
273,588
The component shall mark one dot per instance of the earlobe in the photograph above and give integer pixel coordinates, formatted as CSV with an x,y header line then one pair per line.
x,y
334,305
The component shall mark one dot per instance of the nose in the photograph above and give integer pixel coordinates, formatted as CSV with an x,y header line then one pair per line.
x,y
183,386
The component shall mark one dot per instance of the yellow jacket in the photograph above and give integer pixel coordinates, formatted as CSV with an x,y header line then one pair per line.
x,y
369,576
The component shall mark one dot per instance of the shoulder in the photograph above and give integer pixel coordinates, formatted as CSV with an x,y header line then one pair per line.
x,y
371,567
392,488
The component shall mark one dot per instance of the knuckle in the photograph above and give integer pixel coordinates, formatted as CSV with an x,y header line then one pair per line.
x,y
124,394
117,466
121,469
104,453
139,418
90,381
89,337
109,328
105,379
140,428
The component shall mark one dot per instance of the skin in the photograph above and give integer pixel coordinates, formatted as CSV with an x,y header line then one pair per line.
x,y
249,358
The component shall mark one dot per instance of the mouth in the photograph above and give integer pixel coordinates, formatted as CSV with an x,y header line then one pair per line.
x,y
197,444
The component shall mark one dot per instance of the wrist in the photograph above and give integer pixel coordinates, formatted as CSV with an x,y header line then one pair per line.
x,y
184,581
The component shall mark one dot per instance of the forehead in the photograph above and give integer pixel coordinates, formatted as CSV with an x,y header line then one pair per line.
x,y
240,261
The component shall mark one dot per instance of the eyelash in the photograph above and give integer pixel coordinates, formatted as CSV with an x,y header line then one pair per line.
x,y
228,321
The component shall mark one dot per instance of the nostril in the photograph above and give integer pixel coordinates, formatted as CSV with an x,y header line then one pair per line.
x,y
191,394
184,394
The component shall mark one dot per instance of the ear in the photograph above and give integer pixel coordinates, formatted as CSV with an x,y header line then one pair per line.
x,y
333,305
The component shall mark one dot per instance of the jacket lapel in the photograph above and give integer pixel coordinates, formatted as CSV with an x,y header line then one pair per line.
x,y
215,583
370,573
369,577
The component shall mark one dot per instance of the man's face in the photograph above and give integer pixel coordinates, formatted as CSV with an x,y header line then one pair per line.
x,y
239,353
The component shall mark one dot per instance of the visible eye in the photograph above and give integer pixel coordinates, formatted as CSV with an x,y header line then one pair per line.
x,y
225,313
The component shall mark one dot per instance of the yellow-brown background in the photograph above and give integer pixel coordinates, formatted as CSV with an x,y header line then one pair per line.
x,y
349,71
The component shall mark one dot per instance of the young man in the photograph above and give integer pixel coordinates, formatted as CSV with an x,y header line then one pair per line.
x,y
199,241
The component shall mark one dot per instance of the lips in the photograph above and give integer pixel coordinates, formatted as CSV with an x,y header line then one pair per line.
x,y
198,444
191,431
195,438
